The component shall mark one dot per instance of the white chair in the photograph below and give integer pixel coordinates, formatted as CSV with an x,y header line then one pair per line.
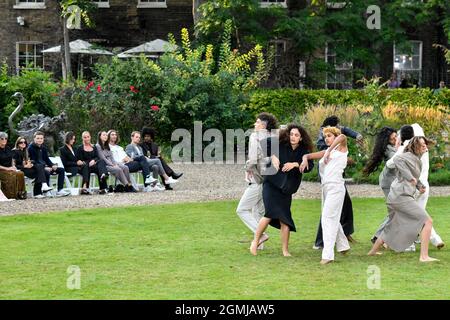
x,y
58,161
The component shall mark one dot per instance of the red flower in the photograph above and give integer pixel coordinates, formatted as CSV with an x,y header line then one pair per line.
x,y
133,89
90,85
154,108
99,88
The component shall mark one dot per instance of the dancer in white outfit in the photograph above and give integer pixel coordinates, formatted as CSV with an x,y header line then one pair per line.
x,y
331,165
251,205
421,198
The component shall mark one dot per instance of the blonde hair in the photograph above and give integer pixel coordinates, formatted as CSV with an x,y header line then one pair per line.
x,y
414,145
333,130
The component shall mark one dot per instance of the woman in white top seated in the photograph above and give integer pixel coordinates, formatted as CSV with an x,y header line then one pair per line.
x,y
119,170
331,166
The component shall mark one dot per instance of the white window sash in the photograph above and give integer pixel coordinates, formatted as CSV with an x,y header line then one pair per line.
x,y
102,4
266,4
29,5
151,4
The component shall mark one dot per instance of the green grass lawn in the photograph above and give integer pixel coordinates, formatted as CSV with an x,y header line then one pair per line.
x,y
200,251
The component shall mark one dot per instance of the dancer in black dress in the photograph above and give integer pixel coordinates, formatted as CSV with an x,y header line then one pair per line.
x,y
278,188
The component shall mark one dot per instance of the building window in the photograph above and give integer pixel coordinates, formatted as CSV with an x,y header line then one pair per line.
x,y
152,4
279,51
29,55
340,75
101,3
266,3
336,4
408,62
29,4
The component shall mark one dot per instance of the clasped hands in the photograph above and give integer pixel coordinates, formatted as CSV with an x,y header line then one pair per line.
x,y
288,166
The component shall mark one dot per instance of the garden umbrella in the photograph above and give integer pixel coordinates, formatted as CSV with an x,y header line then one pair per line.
x,y
80,46
152,49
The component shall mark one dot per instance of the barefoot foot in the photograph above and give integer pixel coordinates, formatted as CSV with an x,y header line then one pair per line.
x,y
263,239
253,248
287,254
428,259
374,253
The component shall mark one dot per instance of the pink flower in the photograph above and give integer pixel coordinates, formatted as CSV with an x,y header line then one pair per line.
x,y
133,89
154,108
99,88
90,85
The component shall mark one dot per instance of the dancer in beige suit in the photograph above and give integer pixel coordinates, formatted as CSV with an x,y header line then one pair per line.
x,y
407,217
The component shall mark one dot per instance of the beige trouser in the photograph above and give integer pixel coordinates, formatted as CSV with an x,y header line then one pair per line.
x,y
251,206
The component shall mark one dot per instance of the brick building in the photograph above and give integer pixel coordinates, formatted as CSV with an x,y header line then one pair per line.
x,y
29,26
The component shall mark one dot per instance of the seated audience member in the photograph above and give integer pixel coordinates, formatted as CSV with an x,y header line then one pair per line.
x,y
88,155
152,151
140,163
72,164
119,170
134,151
12,180
39,155
37,172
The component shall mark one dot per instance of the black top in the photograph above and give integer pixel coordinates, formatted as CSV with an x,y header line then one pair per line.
x,y
39,154
87,156
6,156
289,181
150,149
68,159
19,157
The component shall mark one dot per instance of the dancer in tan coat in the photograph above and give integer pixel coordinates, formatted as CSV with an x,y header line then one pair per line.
x,y
407,218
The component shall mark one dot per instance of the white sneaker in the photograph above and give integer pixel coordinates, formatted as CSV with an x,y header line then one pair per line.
x,y
46,188
62,193
159,187
149,180
171,181
412,248
316,247
148,189
39,196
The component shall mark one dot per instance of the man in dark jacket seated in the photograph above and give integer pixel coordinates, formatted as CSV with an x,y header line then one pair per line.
x,y
151,150
39,155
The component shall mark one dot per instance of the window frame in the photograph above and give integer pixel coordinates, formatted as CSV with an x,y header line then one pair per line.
x,y
412,57
267,4
30,5
339,69
34,57
102,4
151,5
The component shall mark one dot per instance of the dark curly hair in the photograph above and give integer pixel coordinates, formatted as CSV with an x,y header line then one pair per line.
x,y
377,156
269,119
406,133
306,141
331,121
148,131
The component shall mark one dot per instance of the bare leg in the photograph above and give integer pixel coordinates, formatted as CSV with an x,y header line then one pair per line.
x,y
285,239
376,247
262,225
425,240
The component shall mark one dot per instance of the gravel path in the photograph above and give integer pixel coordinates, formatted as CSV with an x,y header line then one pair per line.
x,y
199,183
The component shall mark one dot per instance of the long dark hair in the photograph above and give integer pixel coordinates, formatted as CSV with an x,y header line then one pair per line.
x,y
100,142
377,156
306,141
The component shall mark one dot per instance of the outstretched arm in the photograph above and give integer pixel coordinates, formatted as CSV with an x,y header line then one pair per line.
x,y
308,157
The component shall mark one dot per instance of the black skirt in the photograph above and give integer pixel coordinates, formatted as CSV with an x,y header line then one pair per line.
x,y
278,206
